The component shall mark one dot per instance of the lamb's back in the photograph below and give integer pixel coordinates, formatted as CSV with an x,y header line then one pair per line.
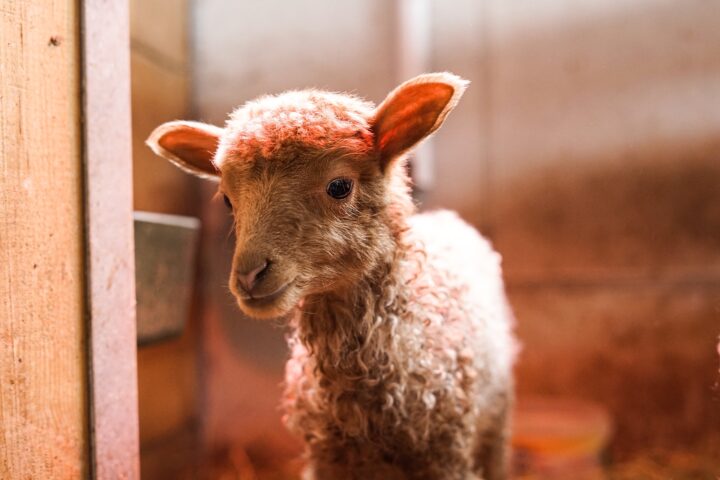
x,y
468,300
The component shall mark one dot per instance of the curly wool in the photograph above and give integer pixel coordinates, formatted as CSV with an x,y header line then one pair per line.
x,y
399,376
405,370
316,119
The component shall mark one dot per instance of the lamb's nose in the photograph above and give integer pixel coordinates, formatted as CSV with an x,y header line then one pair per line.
x,y
250,278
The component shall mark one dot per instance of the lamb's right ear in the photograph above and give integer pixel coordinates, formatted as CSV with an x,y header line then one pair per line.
x,y
189,145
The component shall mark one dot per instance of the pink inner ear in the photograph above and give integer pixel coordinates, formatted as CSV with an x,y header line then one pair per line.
x,y
194,147
412,114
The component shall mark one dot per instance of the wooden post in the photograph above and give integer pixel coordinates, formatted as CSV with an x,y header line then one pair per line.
x,y
43,376
110,261
68,395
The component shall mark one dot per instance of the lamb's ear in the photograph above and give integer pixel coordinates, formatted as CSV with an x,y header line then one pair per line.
x,y
414,110
189,145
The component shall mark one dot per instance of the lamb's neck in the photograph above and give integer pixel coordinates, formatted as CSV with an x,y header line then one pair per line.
x,y
348,331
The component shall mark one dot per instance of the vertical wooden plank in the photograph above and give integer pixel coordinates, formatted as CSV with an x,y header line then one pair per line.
x,y
43,408
110,257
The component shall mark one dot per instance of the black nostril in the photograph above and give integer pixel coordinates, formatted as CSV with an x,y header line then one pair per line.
x,y
259,276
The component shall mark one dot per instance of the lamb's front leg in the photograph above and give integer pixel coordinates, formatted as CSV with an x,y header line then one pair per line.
x,y
381,471
341,460
493,457
327,471
493,454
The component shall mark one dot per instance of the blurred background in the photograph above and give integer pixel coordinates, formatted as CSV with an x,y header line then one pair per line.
x,y
587,148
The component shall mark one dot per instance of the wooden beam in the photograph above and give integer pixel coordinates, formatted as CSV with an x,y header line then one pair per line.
x,y
43,389
110,257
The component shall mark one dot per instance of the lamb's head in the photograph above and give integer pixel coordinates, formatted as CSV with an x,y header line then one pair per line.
x,y
313,181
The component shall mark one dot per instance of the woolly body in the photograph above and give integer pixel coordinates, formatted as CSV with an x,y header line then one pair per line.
x,y
412,380
401,345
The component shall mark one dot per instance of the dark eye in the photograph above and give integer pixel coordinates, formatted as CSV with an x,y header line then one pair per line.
x,y
227,202
339,188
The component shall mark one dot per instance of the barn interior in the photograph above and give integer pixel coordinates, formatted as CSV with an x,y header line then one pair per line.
x,y
587,149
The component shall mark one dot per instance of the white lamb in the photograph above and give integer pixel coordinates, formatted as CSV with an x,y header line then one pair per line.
x,y
401,346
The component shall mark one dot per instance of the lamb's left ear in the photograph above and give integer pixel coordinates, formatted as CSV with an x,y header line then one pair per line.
x,y
414,110
189,145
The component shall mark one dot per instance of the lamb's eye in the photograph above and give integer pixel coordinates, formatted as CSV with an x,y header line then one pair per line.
x,y
227,202
339,188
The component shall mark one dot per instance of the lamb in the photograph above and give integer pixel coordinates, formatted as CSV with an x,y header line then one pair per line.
x,y
401,344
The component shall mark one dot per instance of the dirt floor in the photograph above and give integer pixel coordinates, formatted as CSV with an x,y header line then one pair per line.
x,y
696,462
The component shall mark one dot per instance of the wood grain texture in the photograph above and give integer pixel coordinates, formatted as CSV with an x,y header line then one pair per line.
x,y
110,253
43,408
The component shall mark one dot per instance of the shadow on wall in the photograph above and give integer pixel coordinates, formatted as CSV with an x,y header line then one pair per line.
x,y
651,216
614,274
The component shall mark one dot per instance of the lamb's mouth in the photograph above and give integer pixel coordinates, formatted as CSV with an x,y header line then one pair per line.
x,y
266,300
